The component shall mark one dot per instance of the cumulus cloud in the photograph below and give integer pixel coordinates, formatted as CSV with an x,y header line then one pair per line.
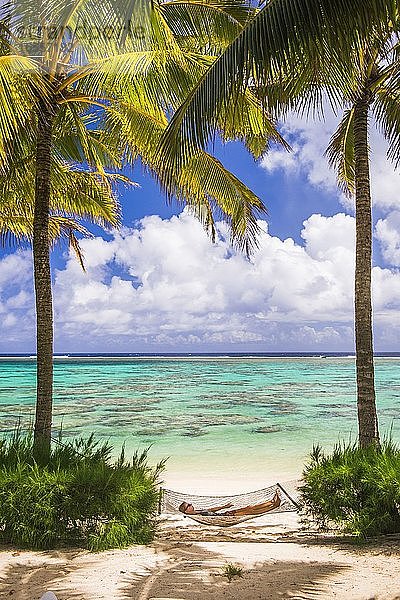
x,y
164,286
15,268
16,302
309,140
174,288
387,231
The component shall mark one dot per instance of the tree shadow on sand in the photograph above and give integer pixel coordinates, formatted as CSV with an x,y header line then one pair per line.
x,y
386,544
22,581
193,573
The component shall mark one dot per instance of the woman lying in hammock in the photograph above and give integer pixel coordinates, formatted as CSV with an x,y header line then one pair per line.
x,y
255,509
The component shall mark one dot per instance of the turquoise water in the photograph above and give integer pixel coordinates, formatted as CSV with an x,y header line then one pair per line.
x,y
233,417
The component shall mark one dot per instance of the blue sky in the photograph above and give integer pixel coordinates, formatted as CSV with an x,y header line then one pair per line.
x,y
160,285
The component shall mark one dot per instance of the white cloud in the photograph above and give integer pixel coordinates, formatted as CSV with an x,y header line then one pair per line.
x,y
387,231
282,159
386,288
325,237
309,140
17,316
385,180
164,285
176,288
9,321
15,268
326,335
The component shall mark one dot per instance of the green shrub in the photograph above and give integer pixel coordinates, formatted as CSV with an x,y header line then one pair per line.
x,y
80,497
354,489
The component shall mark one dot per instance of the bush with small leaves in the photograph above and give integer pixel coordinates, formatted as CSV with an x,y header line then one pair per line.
x,y
354,489
80,497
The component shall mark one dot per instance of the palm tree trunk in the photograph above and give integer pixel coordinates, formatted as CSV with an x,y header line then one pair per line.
x,y
367,415
42,278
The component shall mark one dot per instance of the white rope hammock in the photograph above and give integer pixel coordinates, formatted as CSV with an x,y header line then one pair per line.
x,y
170,502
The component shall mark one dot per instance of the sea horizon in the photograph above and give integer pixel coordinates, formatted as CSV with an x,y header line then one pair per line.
x,y
221,354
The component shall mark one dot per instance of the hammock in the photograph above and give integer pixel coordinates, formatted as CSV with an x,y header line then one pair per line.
x,y
170,502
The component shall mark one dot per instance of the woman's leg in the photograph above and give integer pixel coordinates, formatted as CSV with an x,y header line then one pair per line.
x,y
257,509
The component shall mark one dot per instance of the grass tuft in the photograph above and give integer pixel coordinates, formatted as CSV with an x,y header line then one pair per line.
x,y
230,571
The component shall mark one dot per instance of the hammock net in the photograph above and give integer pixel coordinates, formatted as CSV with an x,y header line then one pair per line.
x,y
170,501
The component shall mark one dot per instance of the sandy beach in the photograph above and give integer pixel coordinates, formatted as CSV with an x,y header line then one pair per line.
x,y
224,434
186,562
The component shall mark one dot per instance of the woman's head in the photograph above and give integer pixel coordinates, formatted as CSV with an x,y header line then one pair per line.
x,y
186,507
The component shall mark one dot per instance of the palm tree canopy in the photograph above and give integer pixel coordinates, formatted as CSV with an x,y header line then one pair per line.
x,y
76,195
373,72
276,46
126,81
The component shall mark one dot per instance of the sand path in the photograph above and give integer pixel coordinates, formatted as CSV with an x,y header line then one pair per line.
x,y
186,563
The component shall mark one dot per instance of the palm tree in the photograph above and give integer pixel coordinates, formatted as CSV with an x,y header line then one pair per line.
x,y
84,95
369,87
269,48
294,52
76,195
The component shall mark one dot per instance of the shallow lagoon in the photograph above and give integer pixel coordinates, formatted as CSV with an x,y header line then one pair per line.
x,y
236,418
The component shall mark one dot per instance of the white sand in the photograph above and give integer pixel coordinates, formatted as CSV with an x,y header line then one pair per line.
x,y
233,483
226,476
228,469
186,562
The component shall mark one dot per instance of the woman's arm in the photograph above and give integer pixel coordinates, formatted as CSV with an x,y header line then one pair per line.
x,y
217,508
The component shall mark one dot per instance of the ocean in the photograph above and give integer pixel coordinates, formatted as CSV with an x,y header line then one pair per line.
x,y
235,420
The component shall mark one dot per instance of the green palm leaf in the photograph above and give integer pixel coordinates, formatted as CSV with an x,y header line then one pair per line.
x,y
213,192
270,47
76,195
340,152
18,79
211,25
202,181
386,109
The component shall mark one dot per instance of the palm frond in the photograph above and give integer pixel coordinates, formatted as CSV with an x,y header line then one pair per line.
x,y
203,183
277,38
77,138
20,86
214,193
16,223
386,109
340,152
247,121
86,195
76,194
208,25
151,76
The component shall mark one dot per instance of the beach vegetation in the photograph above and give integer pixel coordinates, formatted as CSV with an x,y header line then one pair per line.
x,y
80,498
89,85
230,571
311,52
355,490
